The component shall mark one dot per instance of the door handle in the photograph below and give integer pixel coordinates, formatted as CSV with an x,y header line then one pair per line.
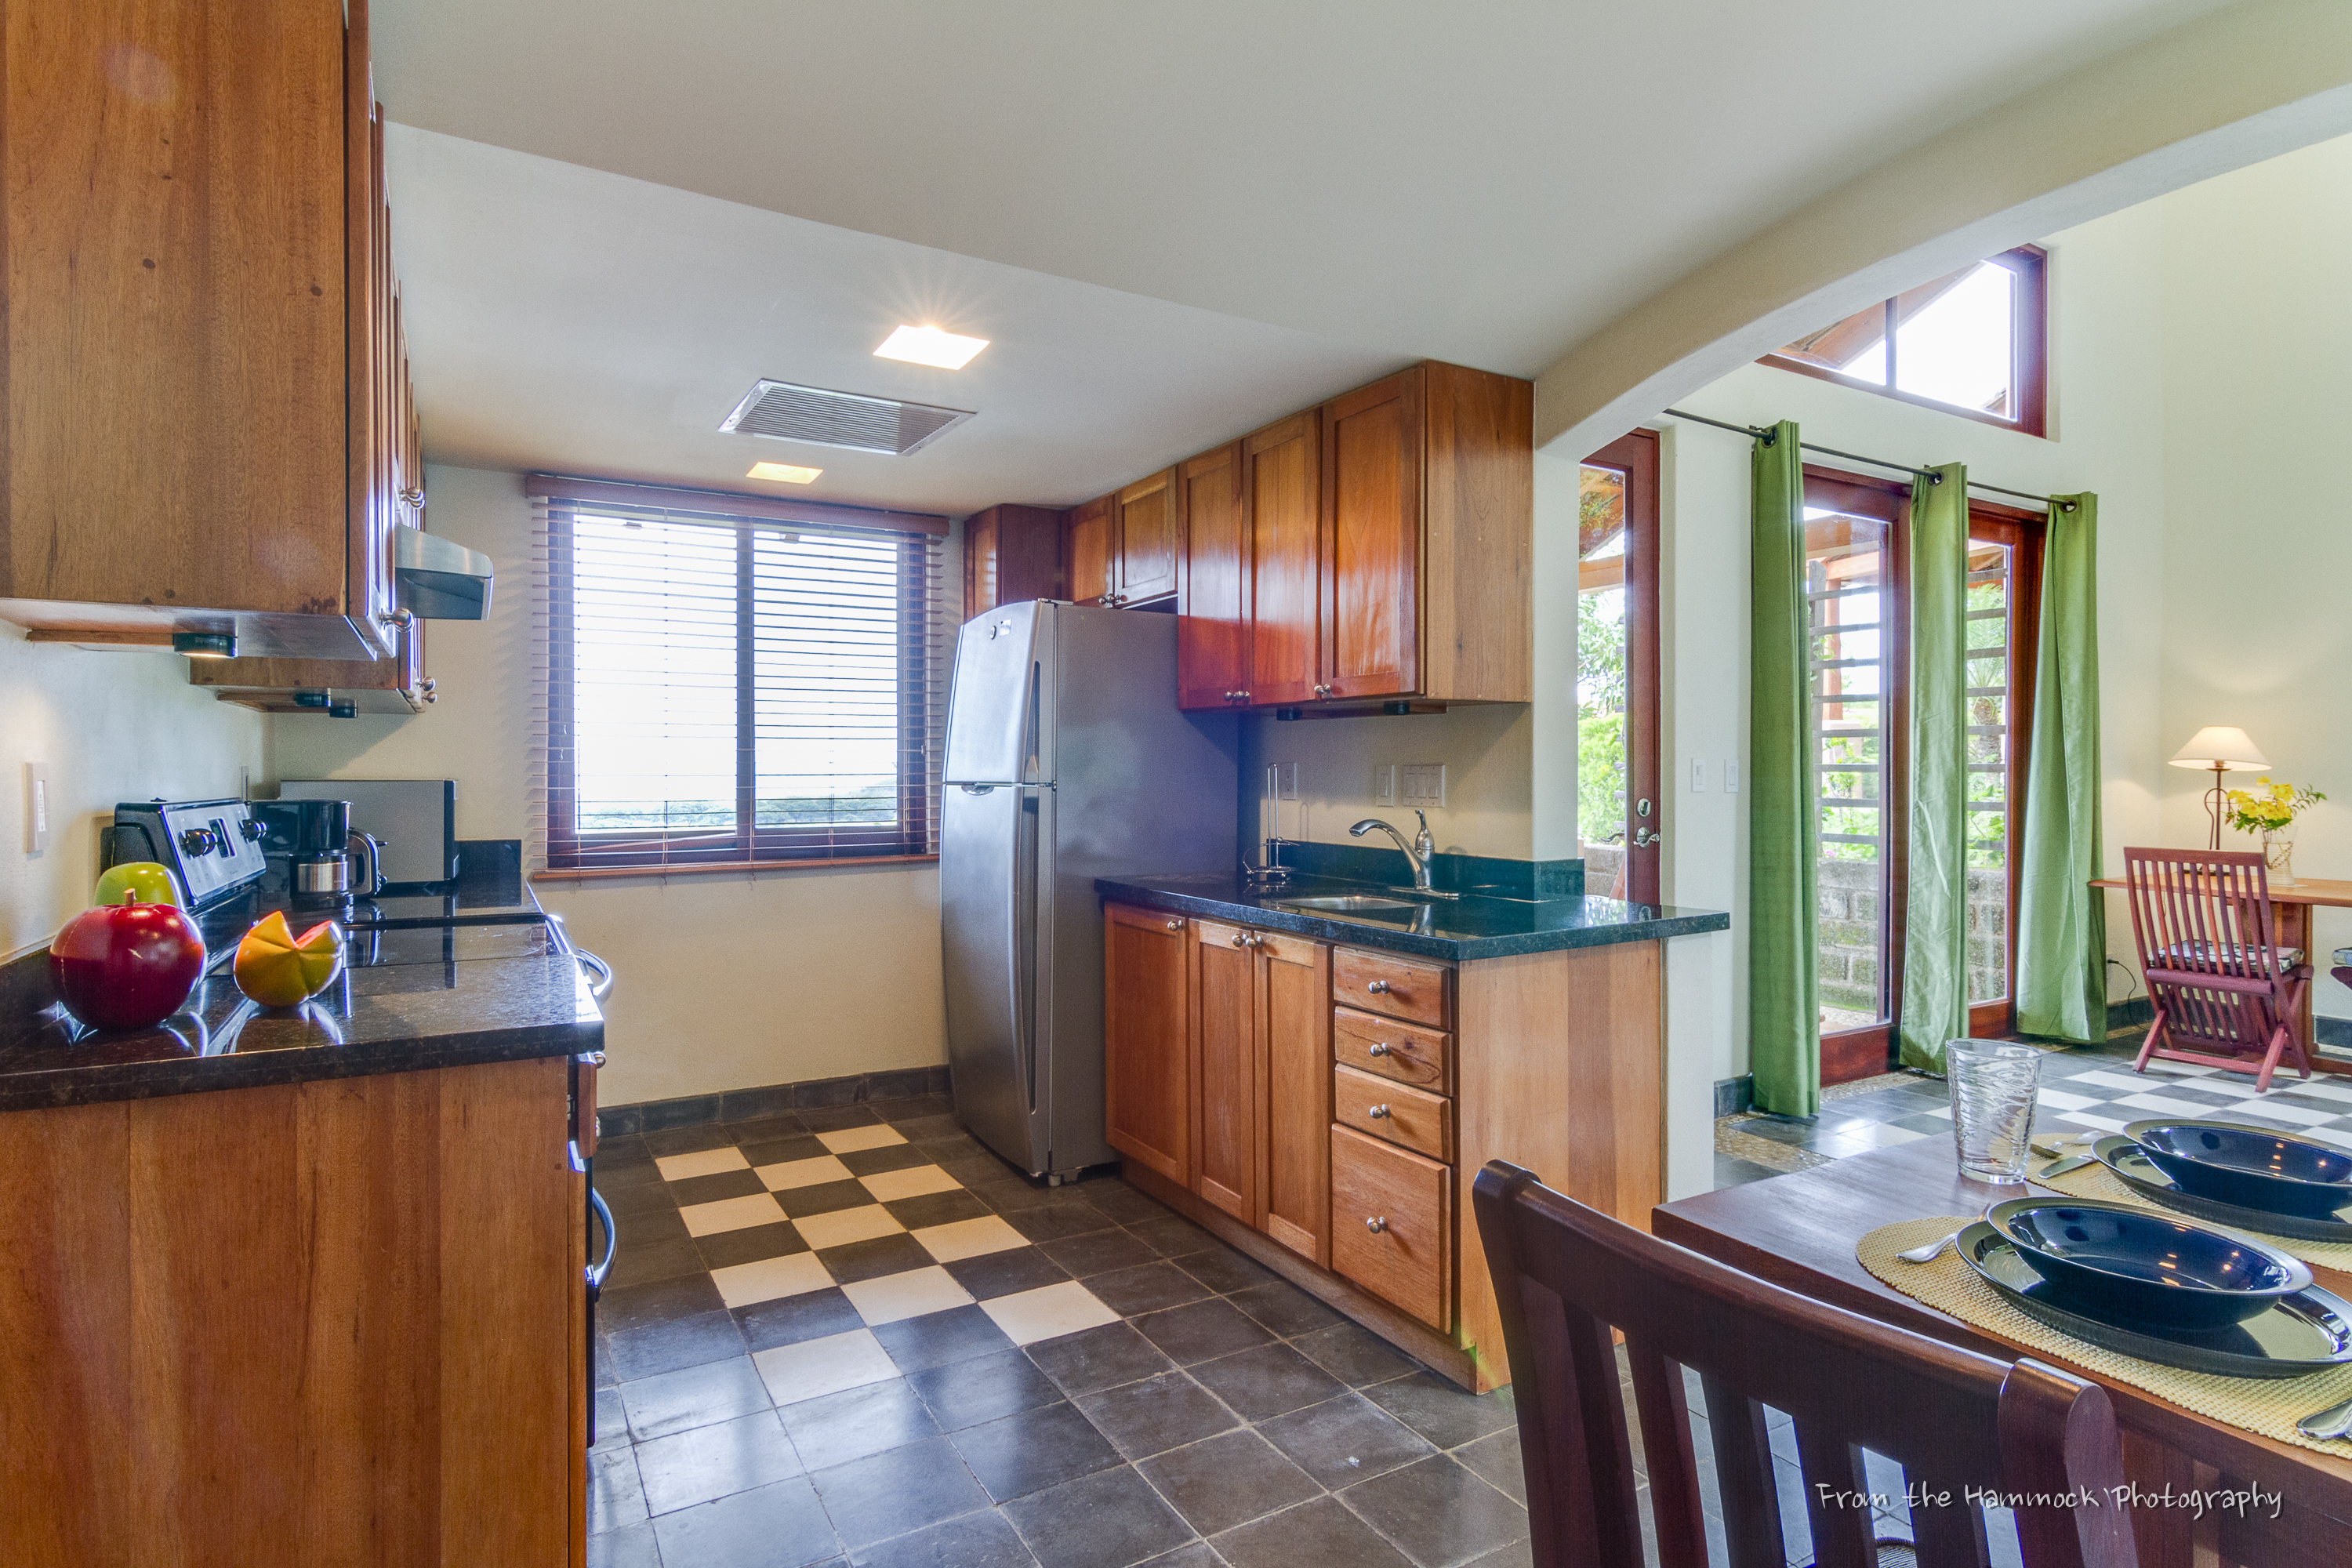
x,y
1643,839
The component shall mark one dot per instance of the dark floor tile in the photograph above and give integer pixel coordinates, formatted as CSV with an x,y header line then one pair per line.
x,y
851,1425
636,1305
746,1132
1099,1252
1159,1413
712,1188
622,1158
1172,1236
645,1202
862,1260
783,1525
630,1548
600,1356
1267,1380
612,1418
1439,1513
690,1139
976,1168
1319,1533
1355,1355
1222,1269
648,1225
1037,1448
739,1105
1201,1331
898,1491
967,1393
931,1128
813,1315
1098,1358
620,1180
715,1461
824,1198
643,1262
1344,1440
1221,1481
1008,1191
693,1397
1497,1461
783,1150
615,1498
690,1340
936,1339
1006,1273
834,1117
1191,1554
1110,1520
934,1208
1153,1287
1439,1412
1522,1553
1053,1222
727,1248
1284,1308
1122,1203
890,1157
975,1541
1732,1171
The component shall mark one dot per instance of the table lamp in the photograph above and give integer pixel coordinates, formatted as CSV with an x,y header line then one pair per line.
x,y
2219,747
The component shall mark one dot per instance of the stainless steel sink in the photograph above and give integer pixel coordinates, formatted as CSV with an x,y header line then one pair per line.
x,y
1349,904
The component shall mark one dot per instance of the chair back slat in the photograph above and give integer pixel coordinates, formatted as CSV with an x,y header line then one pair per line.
x,y
1566,1273
1950,1534
2207,945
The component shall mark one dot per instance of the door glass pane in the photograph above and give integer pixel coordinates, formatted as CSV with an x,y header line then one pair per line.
x,y
1601,678
1989,760
1845,567
1954,338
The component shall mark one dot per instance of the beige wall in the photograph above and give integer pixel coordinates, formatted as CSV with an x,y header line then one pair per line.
x,y
110,726
726,982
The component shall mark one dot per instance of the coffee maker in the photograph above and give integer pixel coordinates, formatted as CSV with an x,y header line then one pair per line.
x,y
311,848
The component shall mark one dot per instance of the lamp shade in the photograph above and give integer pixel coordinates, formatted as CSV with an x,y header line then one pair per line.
x,y
2220,746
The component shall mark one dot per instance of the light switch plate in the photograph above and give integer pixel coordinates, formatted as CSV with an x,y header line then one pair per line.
x,y
1730,776
1384,783
1698,776
39,804
1420,783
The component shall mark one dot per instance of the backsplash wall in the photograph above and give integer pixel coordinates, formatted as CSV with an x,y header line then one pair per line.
x,y
1486,749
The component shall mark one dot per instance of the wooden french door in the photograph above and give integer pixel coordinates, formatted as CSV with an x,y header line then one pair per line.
x,y
1621,808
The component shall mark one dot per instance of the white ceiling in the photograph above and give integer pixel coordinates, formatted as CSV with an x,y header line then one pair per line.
x,y
1174,221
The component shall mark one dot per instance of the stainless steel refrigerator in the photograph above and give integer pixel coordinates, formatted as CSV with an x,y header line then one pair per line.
x,y
1066,760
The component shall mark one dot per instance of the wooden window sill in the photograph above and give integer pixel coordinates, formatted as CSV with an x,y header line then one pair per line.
x,y
725,868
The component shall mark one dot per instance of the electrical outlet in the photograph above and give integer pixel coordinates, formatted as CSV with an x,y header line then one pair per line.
x,y
1698,776
1286,777
37,805
1384,783
1420,783
1730,776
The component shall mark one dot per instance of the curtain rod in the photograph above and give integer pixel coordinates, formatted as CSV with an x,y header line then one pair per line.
x,y
1931,475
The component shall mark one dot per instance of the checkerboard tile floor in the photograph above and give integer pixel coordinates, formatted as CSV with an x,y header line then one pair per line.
x,y
857,1336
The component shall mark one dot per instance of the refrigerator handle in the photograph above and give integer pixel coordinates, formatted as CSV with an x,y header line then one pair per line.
x,y
1021,953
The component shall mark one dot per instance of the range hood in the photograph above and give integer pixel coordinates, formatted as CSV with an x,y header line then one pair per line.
x,y
439,580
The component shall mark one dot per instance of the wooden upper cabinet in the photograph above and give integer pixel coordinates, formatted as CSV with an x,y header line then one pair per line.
x,y
1147,1060
1147,539
1089,545
1478,585
1211,583
1371,539
1011,553
189,250
1284,468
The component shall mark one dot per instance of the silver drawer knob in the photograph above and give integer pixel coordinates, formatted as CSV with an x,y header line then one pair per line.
x,y
1241,939
1175,925
1378,988
1376,1225
1377,1048
1378,1112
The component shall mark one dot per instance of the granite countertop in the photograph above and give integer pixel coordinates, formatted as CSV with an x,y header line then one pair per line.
x,y
475,975
1454,930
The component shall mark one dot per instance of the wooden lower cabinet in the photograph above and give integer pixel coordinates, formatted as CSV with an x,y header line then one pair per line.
x,y
1225,1035
1146,1058
340,1322
1261,1031
1392,1214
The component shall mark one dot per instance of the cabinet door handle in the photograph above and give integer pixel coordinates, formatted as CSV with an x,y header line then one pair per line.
x,y
1377,1048
1175,925
1377,1224
1378,1113
1241,939
1322,691
1378,988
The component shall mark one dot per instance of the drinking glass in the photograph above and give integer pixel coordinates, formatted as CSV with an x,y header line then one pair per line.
x,y
1993,1087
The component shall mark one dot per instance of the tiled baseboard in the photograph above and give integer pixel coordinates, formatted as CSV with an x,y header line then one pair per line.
x,y
741,1104
1734,1095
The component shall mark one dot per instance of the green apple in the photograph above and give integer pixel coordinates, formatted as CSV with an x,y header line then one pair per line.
x,y
139,881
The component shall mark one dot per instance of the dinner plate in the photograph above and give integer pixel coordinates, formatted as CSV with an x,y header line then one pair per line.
x,y
2308,1332
2125,1263
2135,1170
2253,1167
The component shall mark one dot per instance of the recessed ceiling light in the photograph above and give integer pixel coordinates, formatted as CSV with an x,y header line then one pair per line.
x,y
790,473
929,345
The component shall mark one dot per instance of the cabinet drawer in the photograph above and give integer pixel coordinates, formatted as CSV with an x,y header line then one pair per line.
x,y
1397,986
1393,1225
1391,1049
1398,1112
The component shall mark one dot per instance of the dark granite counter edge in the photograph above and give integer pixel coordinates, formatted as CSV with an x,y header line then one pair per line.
x,y
1391,939
102,1081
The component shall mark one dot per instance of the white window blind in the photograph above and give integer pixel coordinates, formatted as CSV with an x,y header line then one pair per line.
x,y
729,681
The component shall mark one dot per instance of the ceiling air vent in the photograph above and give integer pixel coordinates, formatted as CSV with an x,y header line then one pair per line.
x,y
821,418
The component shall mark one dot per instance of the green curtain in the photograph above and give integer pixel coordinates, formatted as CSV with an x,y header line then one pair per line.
x,y
1784,1042
2061,920
1934,1006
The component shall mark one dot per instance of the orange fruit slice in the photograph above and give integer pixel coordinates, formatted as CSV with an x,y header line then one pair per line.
x,y
278,969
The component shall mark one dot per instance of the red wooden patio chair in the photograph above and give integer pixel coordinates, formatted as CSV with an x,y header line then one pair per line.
x,y
2226,994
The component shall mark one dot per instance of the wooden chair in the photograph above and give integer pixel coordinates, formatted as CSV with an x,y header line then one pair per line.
x,y
2226,994
1954,1419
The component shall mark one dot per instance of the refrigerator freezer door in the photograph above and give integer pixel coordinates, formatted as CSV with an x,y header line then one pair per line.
x,y
1001,702
996,896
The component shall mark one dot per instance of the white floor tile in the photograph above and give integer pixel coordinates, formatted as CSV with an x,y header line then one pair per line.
x,y
970,1238
701,1162
2181,1070
2058,1099
854,1138
888,1186
2319,1085
1048,1312
803,1172
770,1278
842,1227
815,1368
2271,1110
895,1297
2130,1082
1942,1111
2084,1119
2164,1105
730,1214
1884,1134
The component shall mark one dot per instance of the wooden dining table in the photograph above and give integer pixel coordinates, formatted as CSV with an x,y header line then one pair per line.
x,y
1799,1231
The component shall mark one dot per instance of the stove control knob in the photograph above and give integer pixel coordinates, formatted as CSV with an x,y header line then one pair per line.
x,y
199,841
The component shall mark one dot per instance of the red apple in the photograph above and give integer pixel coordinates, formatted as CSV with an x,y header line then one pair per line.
x,y
125,966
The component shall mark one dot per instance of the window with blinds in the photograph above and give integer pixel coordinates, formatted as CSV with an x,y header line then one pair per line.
x,y
728,686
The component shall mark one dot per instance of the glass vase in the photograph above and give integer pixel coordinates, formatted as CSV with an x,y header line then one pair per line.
x,y
2278,855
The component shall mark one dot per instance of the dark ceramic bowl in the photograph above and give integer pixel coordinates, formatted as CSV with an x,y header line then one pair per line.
x,y
2128,1265
2247,1166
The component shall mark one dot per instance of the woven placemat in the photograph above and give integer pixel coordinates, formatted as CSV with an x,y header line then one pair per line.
x,y
2267,1407
2098,1181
